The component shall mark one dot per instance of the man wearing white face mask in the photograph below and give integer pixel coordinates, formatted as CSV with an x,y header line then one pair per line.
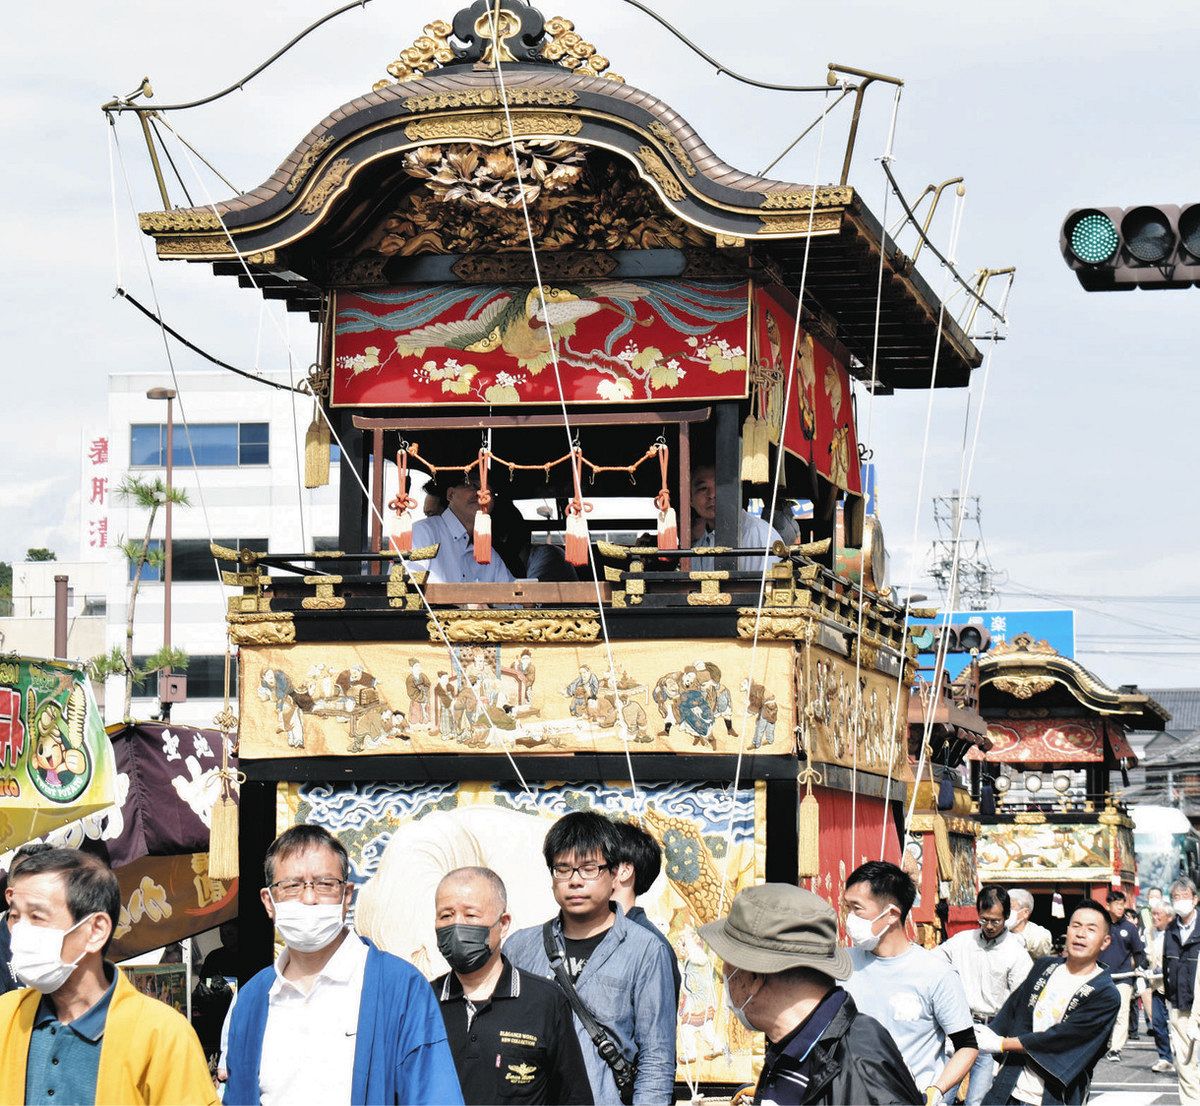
x,y
915,993
78,1031
334,1020
1181,950
782,964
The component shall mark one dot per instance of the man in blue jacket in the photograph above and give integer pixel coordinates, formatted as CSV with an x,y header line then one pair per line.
x,y
620,972
334,1020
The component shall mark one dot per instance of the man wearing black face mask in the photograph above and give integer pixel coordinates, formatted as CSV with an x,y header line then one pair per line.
x,y
510,1032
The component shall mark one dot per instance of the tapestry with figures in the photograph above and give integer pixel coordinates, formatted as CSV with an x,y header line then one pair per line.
x,y
403,837
384,698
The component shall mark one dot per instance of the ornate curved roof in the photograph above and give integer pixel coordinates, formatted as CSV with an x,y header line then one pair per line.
x,y
555,89
1024,670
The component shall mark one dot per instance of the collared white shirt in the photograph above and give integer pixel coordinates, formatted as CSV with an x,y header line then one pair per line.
x,y
990,970
308,1046
455,561
1185,931
752,532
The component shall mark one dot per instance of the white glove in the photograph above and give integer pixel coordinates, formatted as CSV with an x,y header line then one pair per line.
x,y
988,1040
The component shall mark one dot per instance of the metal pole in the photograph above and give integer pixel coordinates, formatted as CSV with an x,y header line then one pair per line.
x,y
165,708
60,617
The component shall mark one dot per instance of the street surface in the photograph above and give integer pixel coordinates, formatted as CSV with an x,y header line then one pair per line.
x,y
1131,1082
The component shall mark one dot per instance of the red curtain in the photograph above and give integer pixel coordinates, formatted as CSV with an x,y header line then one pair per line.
x,y
850,835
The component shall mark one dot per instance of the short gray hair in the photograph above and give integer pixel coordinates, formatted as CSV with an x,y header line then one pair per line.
x,y
484,875
1020,899
1183,884
1163,907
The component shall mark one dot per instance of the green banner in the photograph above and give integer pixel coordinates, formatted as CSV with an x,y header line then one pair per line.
x,y
56,762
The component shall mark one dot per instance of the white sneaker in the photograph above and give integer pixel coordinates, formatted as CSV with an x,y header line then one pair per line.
x,y
1162,1067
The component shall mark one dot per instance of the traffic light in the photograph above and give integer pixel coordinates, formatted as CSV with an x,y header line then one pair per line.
x,y
1114,249
964,637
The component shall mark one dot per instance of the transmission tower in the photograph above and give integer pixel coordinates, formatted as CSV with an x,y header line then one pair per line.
x,y
960,537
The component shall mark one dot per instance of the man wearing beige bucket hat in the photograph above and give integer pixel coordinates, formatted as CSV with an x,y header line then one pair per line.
x,y
781,973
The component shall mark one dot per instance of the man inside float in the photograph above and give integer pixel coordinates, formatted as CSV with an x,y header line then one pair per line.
x,y
619,975
992,963
782,965
753,532
453,531
1053,1029
76,1030
1038,940
334,1019
510,1031
912,991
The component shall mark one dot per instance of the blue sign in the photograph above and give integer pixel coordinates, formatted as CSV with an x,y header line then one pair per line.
x,y
1055,627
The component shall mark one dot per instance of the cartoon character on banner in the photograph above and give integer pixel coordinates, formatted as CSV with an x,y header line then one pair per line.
x,y
275,686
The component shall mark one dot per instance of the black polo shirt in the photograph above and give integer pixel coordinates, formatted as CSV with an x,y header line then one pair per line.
x,y
518,1046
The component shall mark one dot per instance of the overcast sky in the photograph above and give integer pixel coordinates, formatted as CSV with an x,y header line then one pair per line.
x,y
1088,444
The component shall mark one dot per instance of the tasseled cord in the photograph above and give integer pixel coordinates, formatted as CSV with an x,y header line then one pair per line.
x,y
756,436
401,506
483,517
223,831
809,862
577,540
668,528
316,450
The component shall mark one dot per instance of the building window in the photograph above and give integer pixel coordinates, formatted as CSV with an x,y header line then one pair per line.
x,y
215,444
192,560
205,679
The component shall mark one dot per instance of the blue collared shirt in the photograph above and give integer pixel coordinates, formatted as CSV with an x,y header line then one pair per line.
x,y
64,1059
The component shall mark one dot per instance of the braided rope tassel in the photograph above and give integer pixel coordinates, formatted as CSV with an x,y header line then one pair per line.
x,y
668,528
400,530
577,540
483,517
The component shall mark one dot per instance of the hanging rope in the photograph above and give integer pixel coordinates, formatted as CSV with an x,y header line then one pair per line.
x,y
577,544
483,517
668,527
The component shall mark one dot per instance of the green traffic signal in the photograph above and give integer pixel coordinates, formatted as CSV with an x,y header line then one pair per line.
x,y
1093,238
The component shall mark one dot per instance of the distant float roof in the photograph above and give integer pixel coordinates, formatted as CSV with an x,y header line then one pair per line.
x,y
446,92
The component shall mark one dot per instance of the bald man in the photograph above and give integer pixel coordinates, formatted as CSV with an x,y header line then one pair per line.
x,y
511,1032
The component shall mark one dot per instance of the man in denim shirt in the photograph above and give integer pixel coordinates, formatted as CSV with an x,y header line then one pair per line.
x,y
620,971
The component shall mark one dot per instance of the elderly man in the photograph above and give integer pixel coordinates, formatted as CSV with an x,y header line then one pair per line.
x,y
753,532
1162,913
1038,940
992,963
616,976
1181,951
510,1031
77,1030
912,991
454,533
334,1020
782,965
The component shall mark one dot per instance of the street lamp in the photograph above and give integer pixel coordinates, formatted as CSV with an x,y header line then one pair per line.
x,y
169,395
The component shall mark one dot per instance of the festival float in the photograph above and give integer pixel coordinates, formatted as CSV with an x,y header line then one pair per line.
x,y
1052,819
525,271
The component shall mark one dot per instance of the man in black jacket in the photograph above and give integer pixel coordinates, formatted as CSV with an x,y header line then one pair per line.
x,y
782,964
1181,948
1125,952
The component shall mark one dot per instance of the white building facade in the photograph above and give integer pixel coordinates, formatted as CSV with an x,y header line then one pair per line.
x,y
242,468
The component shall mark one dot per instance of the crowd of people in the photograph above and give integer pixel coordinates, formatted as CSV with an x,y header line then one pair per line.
x,y
582,1008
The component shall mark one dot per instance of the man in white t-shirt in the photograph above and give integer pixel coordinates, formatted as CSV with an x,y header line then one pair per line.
x,y
913,992
1053,1029
992,963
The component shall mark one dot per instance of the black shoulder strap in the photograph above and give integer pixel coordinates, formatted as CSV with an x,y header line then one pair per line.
x,y
557,958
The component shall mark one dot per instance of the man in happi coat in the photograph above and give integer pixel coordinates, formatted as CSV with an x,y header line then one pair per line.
x,y
1053,1029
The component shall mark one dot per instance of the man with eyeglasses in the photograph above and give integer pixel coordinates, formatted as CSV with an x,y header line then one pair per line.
x,y
510,1031
619,974
454,533
992,963
334,1020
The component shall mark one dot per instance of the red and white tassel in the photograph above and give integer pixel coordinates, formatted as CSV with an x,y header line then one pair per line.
x,y
668,527
575,547
401,531
400,524
483,518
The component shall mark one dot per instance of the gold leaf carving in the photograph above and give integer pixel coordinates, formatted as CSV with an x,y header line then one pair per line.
x,y
821,222
491,126
657,168
776,624
1022,687
334,175
566,47
262,629
669,139
426,54
308,160
495,626
828,196
188,218
205,244
490,97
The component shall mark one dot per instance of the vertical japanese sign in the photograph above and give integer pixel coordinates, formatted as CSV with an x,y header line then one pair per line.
x,y
94,494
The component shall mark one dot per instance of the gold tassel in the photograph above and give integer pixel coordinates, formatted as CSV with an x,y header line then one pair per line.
x,y
223,840
941,841
316,452
749,442
809,862
761,458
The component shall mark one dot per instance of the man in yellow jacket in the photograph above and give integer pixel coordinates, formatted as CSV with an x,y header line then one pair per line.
x,y
78,1031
